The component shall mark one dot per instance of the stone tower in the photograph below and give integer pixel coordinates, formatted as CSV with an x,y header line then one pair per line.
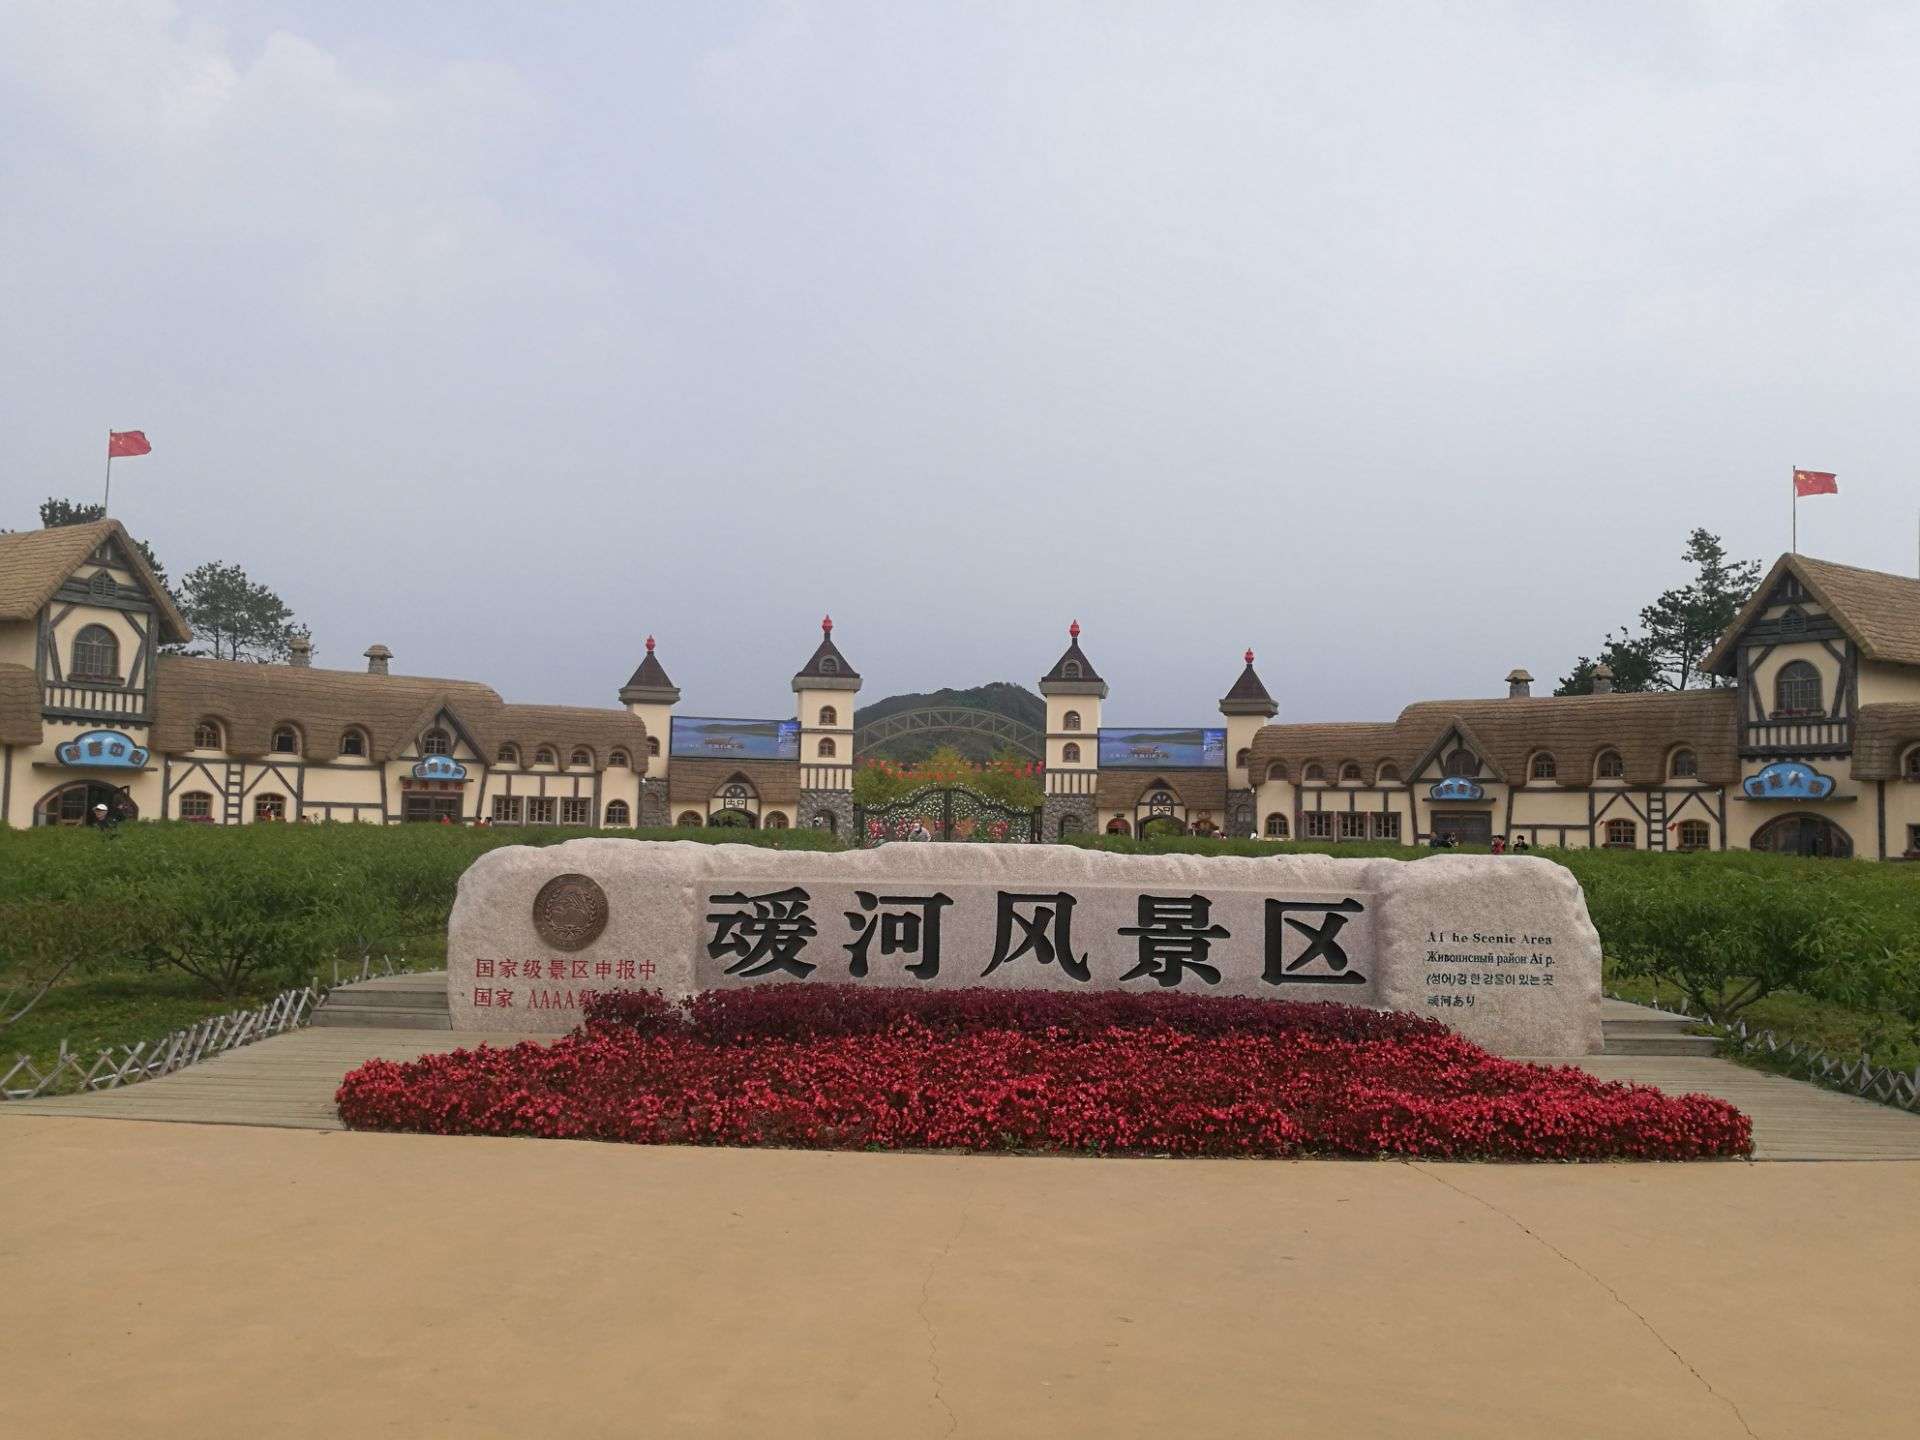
x,y
1073,691
652,696
1247,707
824,689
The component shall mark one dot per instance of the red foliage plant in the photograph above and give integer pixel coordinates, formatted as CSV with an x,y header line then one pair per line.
x,y
847,1067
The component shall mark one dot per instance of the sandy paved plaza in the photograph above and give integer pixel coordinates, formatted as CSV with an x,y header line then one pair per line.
x,y
226,1280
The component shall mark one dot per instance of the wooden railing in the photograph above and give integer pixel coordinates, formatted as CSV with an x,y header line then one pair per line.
x,y
106,702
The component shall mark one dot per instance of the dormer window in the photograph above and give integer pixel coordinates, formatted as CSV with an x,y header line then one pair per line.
x,y
1685,765
206,735
1462,764
1350,774
352,742
1313,774
1610,766
582,758
286,740
544,756
618,760
1389,775
436,742
1543,767
1912,768
1070,670
101,586
829,665
507,755
1796,690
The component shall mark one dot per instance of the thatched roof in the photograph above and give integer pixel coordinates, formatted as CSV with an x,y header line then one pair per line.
x,y
249,701
692,783
36,563
1882,732
1880,612
19,705
1197,789
1506,733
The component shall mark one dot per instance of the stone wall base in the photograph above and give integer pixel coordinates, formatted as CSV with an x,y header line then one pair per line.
x,y
653,803
830,810
1240,815
1075,811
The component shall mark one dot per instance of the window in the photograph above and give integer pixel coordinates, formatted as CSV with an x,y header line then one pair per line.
x,y
576,810
1796,689
1241,757
829,715
269,807
540,809
689,820
1070,754
824,821
1543,767
653,744
96,654
1353,825
1276,827
1912,767
436,742
1685,765
101,586
1317,825
826,750
618,814
1462,763
582,758
1794,622
1070,670
196,805
352,742
206,735
1070,720
776,821
1610,767
1695,835
1620,835
1350,774
508,809
734,796
544,756
618,761
507,756
829,665
1389,775
1387,826
286,740
1313,774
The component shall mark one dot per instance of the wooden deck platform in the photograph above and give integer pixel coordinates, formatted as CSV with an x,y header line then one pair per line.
x,y
289,1082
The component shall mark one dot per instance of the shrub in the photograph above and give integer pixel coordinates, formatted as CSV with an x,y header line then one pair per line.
x,y
844,1067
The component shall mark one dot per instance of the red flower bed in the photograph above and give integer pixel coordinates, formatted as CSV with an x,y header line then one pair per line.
x,y
845,1067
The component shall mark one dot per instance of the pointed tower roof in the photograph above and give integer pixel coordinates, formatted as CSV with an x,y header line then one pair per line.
x,y
1073,673
1248,696
650,685
828,668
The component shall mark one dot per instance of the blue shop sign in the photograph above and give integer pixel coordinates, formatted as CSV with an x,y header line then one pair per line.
x,y
103,750
1787,780
1457,787
439,767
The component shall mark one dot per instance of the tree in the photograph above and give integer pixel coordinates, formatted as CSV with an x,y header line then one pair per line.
x,y
55,513
1678,628
234,617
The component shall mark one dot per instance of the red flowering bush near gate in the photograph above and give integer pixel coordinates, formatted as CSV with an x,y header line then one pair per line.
x,y
845,1067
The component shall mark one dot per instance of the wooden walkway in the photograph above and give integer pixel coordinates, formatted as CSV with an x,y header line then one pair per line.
x,y
289,1082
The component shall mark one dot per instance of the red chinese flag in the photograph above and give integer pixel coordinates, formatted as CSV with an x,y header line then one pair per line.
x,y
134,442
1815,482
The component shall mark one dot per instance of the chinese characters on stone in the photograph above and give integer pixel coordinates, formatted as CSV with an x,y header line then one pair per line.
x,y
534,973
1174,936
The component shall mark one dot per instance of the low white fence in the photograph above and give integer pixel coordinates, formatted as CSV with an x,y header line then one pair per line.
x,y
70,1073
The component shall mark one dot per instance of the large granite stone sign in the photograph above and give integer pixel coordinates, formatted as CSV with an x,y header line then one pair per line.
x,y
1500,948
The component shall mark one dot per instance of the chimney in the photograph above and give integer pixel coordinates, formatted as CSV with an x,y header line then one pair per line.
x,y
300,652
1519,685
1603,679
377,658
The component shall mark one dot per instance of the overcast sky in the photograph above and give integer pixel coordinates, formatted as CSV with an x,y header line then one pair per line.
x,y
1401,342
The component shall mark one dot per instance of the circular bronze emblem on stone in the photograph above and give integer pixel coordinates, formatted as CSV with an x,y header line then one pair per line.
x,y
570,912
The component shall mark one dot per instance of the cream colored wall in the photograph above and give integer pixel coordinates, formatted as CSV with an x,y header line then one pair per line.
x,y
659,722
1882,682
64,632
1766,671
36,770
1903,811
1087,737
1240,732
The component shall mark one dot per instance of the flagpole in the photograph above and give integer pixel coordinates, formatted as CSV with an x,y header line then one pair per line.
x,y
1793,485
107,499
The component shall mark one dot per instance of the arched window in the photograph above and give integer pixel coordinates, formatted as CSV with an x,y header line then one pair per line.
x,y
1070,720
1620,835
1312,774
1118,826
1350,774
826,750
544,756
1685,765
196,805
617,813
1610,766
286,740
96,654
1912,768
101,586
775,821
1796,689
436,742
1277,771
352,742
582,757
206,735
1276,826
829,665
1070,670
507,755
1543,767
269,807
1070,754
618,760
1695,835
1069,825
1389,775
735,795
689,820
653,744
829,715
1241,757
1462,763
